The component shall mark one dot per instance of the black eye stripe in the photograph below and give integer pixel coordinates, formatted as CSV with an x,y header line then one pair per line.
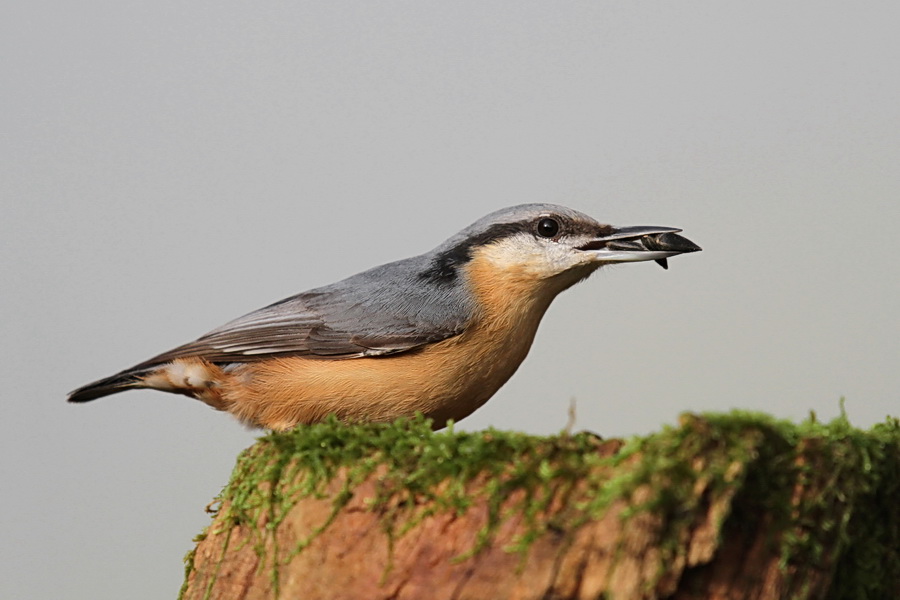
x,y
547,227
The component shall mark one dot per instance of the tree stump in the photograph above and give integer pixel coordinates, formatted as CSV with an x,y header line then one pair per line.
x,y
722,506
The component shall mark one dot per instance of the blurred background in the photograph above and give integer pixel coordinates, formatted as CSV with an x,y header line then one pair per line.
x,y
168,166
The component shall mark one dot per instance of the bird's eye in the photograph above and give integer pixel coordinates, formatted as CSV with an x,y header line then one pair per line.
x,y
547,227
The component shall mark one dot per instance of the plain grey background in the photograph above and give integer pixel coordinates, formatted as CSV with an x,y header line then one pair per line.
x,y
168,166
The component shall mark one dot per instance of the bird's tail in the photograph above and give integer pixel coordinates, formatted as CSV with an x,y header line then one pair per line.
x,y
113,384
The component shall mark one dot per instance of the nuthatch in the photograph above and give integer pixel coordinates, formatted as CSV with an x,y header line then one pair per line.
x,y
437,333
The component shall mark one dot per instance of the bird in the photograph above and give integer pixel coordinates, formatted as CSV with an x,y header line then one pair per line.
x,y
436,334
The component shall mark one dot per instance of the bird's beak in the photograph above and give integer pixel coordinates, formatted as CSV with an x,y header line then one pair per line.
x,y
632,244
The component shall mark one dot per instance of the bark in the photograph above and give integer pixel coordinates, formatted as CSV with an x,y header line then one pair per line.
x,y
724,506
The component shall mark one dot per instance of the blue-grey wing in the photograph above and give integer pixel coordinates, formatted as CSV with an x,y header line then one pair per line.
x,y
382,311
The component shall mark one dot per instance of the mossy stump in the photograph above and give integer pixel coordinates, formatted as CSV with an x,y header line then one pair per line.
x,y
722,506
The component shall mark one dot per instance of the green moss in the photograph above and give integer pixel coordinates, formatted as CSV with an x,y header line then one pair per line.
x,y
189,561
283,468
685,469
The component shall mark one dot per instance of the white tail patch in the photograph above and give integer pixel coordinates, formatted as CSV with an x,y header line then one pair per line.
x,y
181,376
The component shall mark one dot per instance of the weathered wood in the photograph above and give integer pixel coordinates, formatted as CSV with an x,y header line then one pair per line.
x,y
724,506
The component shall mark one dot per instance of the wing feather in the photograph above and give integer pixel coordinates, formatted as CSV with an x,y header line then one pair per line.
x,y
370,314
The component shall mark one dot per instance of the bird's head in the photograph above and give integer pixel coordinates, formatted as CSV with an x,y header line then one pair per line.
x,y
555,245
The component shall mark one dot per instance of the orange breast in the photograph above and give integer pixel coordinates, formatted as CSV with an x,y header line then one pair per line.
x,y
445,380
